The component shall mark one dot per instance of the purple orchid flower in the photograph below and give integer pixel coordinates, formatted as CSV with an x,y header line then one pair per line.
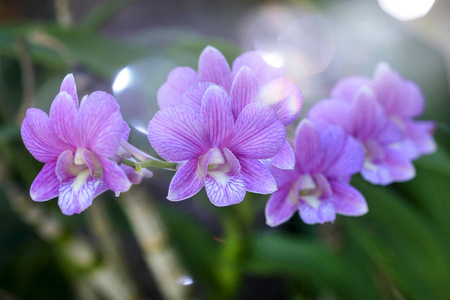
x,y
250,80
217,151
318,186
76,144
365,120
402,100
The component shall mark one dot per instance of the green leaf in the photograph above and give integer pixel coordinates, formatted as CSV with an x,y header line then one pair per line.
x,y
401,243
103,56
194,243
309,262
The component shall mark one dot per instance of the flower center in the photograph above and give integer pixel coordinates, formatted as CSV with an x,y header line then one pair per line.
x,y
311,188
218,166
81,166
373,153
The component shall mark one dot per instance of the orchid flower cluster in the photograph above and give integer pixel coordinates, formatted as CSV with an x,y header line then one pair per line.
x,y
224,129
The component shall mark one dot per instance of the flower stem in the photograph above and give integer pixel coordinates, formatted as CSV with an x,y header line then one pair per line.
x,y
150,163
237,225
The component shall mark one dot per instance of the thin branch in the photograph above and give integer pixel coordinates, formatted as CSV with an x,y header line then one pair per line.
x,y
27,73
152,237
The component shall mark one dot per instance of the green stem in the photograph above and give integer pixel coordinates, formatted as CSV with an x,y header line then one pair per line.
x,y
237,224
150,163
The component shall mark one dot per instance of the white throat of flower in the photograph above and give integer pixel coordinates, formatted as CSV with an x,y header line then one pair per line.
x,y
218,167
308,189
82,171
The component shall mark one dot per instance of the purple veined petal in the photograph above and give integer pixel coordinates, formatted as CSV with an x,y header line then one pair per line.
x,y
284,177
188,180
74,198
368,116
307,148
347,200
178,82
256,176
114,177
101,123
46,184
224,190
325,212
216,116
194,95
332,112
225,187
177,134
244,90
255,61
420,135
65,119
257,133
68,85
346,88
285,159
125,130
213,67
281,207
342,154
284,97
40,138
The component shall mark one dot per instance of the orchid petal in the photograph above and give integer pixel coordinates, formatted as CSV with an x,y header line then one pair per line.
x,y
217,118
347,200
325,212
114,177
342,154
332,112
257,177
225,187
257,133
101,123
68,85
74,200
177,134
178,82
40,138
194,95
224,190
307,148
281,207
46,184
346,88
284,177
284,97
285,159
420,135
255,61
368,116
187,182
65,119
213,67
244,90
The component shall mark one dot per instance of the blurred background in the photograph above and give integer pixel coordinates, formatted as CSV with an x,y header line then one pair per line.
x,y
141,246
